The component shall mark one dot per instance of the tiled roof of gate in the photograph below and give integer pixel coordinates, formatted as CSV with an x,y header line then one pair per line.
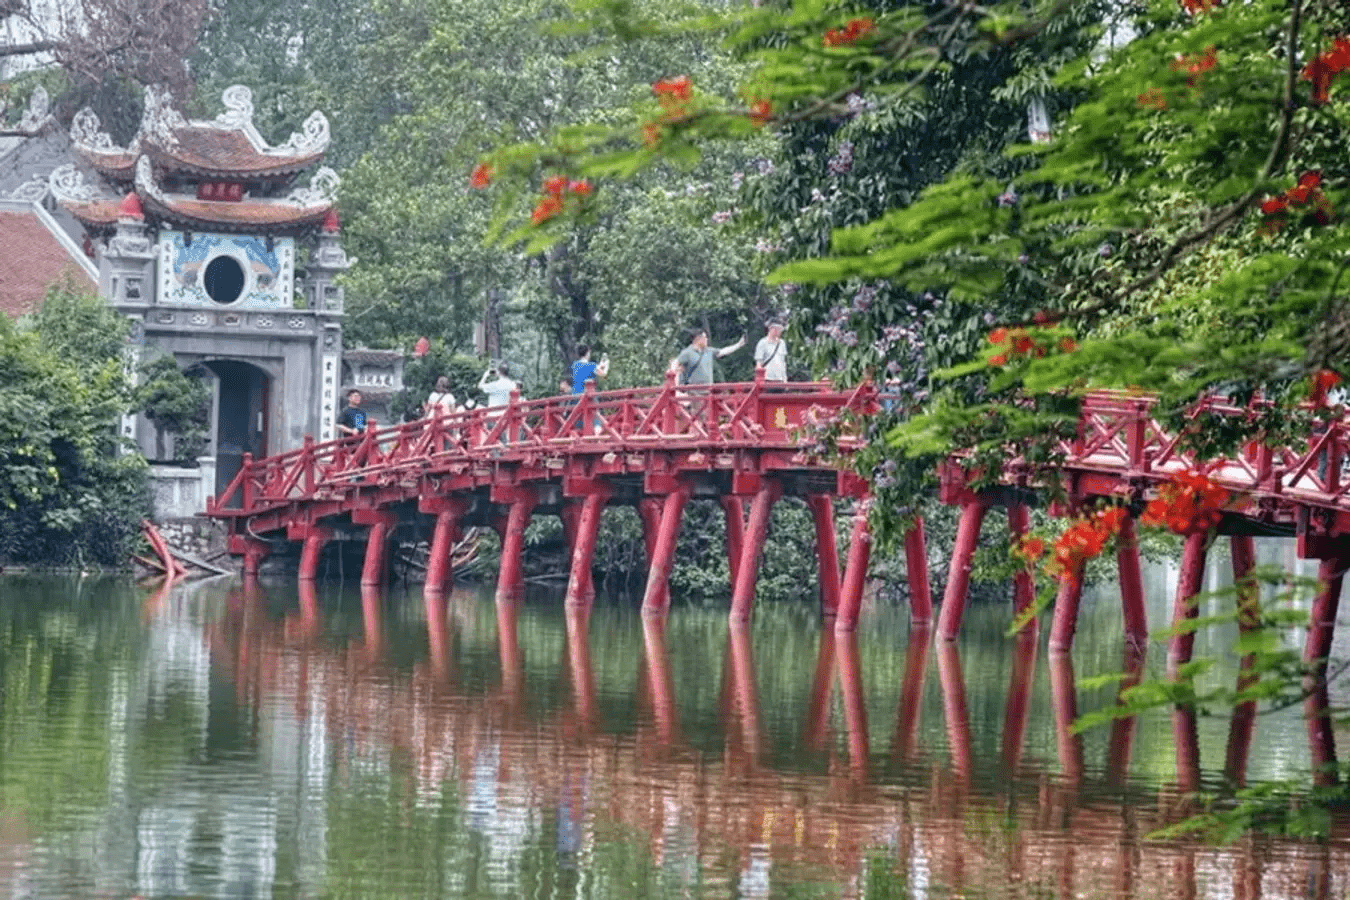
x,y
33,257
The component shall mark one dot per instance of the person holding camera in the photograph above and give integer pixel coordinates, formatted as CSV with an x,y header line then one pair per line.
x,y
498,385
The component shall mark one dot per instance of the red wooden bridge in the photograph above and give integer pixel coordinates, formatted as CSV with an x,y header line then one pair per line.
x,y
656,448
653,448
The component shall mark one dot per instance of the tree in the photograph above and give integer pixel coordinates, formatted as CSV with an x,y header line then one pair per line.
x,y
67,495
106,49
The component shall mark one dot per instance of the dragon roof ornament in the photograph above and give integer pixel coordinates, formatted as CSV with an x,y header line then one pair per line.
x,y
322,190
68,186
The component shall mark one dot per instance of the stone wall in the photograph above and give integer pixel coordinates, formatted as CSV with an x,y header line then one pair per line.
x,y
180,492
196,536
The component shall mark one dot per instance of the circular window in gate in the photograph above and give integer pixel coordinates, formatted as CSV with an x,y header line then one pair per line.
x,y
223,279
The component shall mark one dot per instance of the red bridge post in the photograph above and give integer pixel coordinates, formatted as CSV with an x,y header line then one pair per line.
x,y
381,522
1024,587
818,700
1131,584
827,551
733,510
916,572
1068,596
1241,723
1316,651
649,511
509,579
656,598
580,590
854,699
1189,582
315,538
440,567
747,572
855,574
958,575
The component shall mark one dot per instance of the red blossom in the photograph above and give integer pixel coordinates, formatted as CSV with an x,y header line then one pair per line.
x,y
1196,65
547,208
1000,359
760,112
555,185
1323,69
580,188
1190,503
651,135
853,30
1068,345
1152,99
1195,7
1274,205
481,176
998,336
679,89
1086,538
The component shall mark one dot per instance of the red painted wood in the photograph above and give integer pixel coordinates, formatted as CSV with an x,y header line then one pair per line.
x,y
827,552
855,574
746,693
1064,705
1067,599
580,590
660,681
1242,551
958,575
817,723
905,741
509,579
656,598
757,529
377,552
733,512
1316,652
1024,586
1189,583
955,712
1017,706
310,551
916,573
1132,607
439,565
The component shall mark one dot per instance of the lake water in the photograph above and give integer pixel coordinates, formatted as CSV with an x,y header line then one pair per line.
x,y
248,741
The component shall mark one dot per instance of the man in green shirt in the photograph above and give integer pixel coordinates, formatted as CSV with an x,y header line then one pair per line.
x,y
695,362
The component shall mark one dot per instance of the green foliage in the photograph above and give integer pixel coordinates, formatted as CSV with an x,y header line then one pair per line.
x,y
179,405
67,495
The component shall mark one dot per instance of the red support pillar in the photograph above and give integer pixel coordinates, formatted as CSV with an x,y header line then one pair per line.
x,y
649,511
1243,719
656,599
1316,651
440,567
570,513
955,712
315,539
1024,586
855,574
827,551
958,576
580,590
733,509
916,572
253,551
1131,584
1018,704
509,579
1189,583
747,572
376,566
1067,599
743,681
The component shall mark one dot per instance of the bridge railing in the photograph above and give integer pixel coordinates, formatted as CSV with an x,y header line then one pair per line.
x,y
718,416
1118,433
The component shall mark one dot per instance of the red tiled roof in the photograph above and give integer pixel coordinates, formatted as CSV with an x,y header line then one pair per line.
x,y
32,259
96,213
220,151
233,215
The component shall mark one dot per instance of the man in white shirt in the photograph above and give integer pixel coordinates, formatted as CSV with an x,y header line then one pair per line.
x,y
771,353
497,385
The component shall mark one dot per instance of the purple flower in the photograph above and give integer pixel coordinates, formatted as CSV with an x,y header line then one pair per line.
x,y
721,217
1104,251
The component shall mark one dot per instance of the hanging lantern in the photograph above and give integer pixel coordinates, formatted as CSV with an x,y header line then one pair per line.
x,y
421,347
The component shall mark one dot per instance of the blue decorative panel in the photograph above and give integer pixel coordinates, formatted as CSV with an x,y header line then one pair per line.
x,y
193,266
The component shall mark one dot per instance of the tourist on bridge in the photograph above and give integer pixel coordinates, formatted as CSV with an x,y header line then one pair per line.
x,y
440,402
583,370
498,385
352,419
696,361
771,353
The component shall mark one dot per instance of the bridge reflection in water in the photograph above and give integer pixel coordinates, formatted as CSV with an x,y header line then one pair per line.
x,y
721,806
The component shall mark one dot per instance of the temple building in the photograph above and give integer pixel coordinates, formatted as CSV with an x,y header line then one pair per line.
x,y
206,240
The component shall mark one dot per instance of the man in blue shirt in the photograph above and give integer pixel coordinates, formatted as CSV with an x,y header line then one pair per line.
x,y
583,370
